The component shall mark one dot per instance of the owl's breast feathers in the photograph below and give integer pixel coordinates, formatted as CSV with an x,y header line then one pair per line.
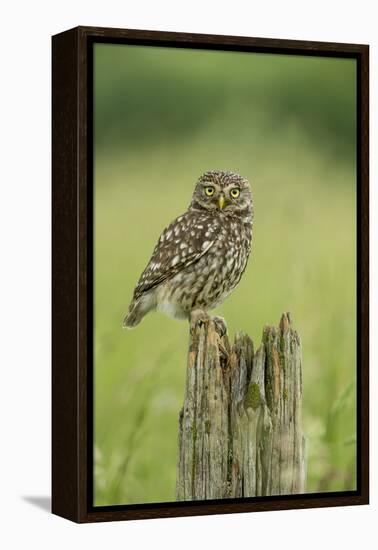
x,y
188,239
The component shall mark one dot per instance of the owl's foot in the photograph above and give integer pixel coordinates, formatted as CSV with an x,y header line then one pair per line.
x,y
220,326
198,317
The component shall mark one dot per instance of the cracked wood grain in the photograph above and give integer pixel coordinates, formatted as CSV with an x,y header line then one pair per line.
x,y
240,428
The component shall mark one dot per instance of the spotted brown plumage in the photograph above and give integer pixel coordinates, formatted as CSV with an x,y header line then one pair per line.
x,y
201,256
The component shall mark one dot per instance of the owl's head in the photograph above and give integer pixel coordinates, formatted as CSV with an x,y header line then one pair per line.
x,y
223,191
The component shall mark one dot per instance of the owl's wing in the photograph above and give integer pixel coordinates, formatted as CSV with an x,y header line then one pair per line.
x,y
182,243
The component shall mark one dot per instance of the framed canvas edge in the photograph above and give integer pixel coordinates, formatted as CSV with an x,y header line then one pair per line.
x,y
65,448
72,466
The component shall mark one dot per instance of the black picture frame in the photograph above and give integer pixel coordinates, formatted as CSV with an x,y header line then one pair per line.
x,y
72,274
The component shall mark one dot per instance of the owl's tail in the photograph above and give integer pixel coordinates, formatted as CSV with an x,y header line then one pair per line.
x,y
137,310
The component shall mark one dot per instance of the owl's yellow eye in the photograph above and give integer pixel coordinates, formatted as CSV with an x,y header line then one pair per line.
x,y
235,193
209,191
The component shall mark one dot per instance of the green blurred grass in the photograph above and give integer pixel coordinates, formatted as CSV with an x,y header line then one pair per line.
x,y
286,124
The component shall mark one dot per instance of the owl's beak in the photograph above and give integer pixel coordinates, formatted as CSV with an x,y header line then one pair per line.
x,y
221,202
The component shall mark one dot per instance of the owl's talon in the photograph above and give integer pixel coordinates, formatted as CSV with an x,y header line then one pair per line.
x,y
220,326
198,318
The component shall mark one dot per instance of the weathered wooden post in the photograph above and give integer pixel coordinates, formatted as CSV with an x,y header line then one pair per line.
x,y
240,429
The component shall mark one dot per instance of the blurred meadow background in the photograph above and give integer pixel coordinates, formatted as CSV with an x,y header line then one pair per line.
x,y
162,116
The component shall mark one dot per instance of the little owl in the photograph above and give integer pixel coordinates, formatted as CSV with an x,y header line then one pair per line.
x,y
201,256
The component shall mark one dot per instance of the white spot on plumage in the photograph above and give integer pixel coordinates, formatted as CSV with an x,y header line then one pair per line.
x,y
175,260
